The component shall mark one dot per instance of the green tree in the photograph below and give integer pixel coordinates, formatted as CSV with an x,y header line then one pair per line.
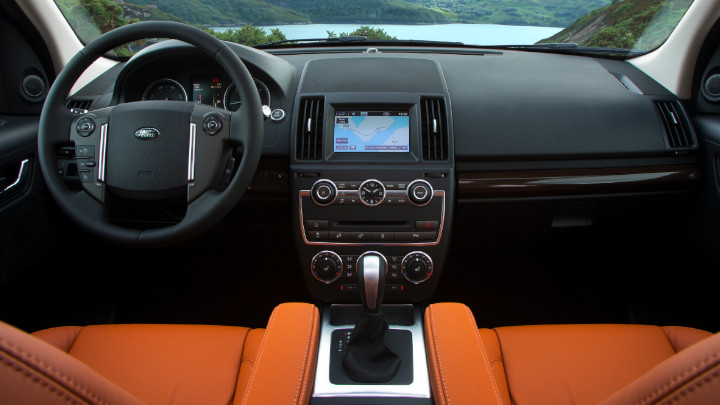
x,y
365,31
249,35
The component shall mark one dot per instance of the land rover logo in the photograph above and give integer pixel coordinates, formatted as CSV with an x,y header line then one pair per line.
x,y
147,134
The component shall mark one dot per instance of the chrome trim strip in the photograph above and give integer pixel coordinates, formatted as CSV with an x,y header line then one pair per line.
x,y
420,387
19,176
191,153
436,193
101,153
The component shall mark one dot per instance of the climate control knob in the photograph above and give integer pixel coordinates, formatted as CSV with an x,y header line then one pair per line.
x,y
419,193
417,267
323,192
326,266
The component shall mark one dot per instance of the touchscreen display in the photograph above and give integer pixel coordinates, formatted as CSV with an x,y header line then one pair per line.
x,y
371,131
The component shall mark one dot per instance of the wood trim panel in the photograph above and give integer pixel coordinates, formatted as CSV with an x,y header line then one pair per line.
x,y
542,183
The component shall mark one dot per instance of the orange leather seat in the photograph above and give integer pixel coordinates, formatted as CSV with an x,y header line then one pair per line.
x,y
568,364
163,364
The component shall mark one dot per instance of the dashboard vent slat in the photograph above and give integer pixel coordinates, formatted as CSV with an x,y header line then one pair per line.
x,y
79,104
310,129
433,126
676,124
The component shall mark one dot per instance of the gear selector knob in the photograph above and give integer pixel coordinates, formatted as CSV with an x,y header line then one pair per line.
x,y
371,269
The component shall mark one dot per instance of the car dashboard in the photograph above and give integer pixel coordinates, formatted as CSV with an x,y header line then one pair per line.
x,y
437,138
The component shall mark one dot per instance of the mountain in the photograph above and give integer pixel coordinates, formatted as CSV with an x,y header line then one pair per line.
x,y
632,24
230,12
549,13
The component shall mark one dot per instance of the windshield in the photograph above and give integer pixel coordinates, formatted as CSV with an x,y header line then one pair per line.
x,y
638,25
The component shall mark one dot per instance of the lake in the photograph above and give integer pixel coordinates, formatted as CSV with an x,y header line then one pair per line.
x,y
475,34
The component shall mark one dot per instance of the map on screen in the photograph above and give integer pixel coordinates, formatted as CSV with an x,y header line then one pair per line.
x,y
372,131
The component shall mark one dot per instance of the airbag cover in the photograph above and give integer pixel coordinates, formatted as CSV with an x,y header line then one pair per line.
x,y
147,149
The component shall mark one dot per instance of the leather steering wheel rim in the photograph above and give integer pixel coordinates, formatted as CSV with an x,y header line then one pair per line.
x,y
246,129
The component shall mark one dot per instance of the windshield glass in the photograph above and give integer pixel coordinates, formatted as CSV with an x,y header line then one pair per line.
x,y
639,25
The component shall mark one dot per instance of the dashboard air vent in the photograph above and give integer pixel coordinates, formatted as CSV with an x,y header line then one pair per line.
x,y
677,126
79,104
310,129
433,125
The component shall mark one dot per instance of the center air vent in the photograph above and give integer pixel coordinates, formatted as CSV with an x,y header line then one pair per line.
x,y
310,129
433,124
678,132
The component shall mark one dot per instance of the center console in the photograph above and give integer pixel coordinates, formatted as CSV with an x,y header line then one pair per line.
x,y
372,175
372,191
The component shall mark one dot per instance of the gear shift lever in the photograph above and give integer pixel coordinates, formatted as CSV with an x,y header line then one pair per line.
x,y
371,268
368,358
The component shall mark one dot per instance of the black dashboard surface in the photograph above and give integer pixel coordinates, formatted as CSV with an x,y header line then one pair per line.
x,y
505,106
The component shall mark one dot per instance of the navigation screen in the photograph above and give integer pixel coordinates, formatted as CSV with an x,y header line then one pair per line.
x,y
371,131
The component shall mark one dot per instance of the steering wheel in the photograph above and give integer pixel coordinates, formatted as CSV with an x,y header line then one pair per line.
x,y
152,150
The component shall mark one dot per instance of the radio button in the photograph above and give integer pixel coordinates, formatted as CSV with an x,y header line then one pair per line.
x,y
317,235
314,224
383,236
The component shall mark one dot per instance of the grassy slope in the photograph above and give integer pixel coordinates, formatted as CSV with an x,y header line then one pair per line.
x,y
624,25
547,13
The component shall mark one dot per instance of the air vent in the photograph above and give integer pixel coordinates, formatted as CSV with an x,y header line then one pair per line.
x,y
677,127
433,124
79,104
310,129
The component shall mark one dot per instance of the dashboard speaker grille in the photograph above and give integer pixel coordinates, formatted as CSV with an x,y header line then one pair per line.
x,y
677,126
433,125
712,88
79,104
310,129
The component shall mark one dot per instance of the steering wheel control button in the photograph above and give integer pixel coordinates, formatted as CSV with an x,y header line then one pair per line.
x,y
86,177
324,192
85,126
86,165
277,114
371,193
417,267
84,151
326,267
212,124
419,193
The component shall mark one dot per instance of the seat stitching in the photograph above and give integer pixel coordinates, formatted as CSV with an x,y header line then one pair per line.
x,y
48,368
710,359
697,384
36,379
259,357
301,388
436,349
484,354
242,361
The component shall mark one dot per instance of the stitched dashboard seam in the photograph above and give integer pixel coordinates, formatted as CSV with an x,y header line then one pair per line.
x,y
259,357
49,369
697,384
445,393
301,388
473,326
37,380
710,359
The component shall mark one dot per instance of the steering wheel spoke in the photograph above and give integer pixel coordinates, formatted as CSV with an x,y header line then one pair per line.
x,y
210,161
88,132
